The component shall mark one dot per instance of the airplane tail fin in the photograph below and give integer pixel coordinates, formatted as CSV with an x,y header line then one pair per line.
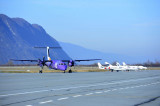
x,y
99,65
124,64
48,55
117,64
108,64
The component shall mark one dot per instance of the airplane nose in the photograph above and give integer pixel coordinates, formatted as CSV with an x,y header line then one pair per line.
x,y
64,67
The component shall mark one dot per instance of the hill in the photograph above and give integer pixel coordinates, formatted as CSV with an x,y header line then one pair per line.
x,y
79,52
18,37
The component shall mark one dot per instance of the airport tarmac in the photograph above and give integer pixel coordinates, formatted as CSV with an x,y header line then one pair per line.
x,y
135,88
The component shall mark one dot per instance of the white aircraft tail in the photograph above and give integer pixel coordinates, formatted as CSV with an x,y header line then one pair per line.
x,y
100,66
124,64
117,64
48,57
108,64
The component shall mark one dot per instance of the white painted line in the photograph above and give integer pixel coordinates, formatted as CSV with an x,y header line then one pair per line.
x,y
77,96
114,89
85,86
63,98
107,91
89,94
24,93
46,102
137,86
28,105
98,92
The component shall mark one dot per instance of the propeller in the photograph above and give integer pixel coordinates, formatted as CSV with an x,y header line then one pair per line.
x,y
42,62
71,63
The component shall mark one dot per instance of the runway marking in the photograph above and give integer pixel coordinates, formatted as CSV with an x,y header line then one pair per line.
x,y
98,92
77,96
63,98
85,86
89,94
46,102
107,91
114,89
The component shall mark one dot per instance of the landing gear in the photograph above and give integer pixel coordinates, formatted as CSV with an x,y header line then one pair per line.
x,y
70,71
111,70
40,71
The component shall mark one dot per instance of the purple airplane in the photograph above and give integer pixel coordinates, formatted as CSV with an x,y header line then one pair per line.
x,y
55,64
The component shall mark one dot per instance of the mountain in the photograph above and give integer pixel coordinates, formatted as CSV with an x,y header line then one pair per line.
x,y
78,52
18,37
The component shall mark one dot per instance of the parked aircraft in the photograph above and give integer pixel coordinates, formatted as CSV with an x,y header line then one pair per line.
x,y
110,67
55,64
129,67
119,67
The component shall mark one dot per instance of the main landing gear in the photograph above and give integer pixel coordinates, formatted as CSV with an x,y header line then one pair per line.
x,y
41,70
70,71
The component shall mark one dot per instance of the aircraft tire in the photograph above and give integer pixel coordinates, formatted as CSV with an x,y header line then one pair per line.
x,y
40,71
70,71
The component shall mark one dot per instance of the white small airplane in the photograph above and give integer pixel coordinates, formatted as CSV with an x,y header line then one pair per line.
x,y
110,67
128,67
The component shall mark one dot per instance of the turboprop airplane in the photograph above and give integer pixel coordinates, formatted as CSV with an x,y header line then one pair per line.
x,y
55,64
110,67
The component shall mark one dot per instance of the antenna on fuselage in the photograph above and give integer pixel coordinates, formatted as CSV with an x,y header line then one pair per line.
x,y
48,55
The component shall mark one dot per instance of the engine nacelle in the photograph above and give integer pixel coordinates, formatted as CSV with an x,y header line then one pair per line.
x,y
71,63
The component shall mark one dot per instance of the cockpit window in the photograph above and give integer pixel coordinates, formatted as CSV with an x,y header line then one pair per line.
x,y
62,64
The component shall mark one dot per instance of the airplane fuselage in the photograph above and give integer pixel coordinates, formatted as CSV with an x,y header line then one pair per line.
x,y
57,65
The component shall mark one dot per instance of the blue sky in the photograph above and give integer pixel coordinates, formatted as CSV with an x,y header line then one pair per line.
x,y
129,27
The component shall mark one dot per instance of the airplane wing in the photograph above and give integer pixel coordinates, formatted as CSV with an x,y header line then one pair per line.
x,y
32,60
25,60
87,60
81,60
